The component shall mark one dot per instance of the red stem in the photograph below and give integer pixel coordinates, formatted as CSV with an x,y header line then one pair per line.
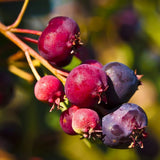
x,y
24,47
28,31
35,41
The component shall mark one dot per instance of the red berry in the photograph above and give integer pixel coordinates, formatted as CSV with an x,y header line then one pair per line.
x,y
49,89
85,85
85,122
66,120
59,40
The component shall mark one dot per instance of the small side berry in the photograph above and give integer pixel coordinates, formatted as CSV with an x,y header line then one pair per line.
x,y
66,120
49,89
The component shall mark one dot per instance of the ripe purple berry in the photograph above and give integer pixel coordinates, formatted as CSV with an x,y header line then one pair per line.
x,y
66,120
59,40
86,122
123,82
85,85
125,127
49,89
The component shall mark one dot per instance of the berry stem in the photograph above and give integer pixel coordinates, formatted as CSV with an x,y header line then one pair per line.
x,y
29,39
63,73
53,106
32,66
24,47
19,18
28,31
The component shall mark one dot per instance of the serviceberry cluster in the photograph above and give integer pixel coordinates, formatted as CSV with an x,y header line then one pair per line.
x,y
98,95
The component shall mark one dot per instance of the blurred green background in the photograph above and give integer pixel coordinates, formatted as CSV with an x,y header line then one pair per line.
x,y
111,30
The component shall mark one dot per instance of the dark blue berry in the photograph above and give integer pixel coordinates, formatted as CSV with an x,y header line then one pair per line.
x,y
125,127
123,82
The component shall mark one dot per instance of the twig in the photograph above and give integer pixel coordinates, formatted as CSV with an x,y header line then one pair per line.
x,y
37,76
19,18
24,47
28,39
28,31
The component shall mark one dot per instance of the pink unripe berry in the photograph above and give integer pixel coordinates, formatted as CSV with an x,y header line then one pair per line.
x,y
49,89
86,121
